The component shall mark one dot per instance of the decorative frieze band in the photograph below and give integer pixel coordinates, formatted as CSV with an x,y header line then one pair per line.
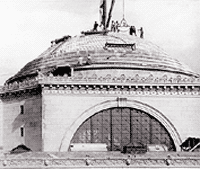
x,y
150,79
106,80
122,90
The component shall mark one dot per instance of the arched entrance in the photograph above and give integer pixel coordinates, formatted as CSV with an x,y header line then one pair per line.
x,y
121,126
119,103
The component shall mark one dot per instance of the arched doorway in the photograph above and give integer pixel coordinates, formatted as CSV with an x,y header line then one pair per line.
x,y
120,126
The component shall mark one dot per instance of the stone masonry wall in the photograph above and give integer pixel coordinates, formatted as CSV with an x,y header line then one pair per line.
x,y
62,110
13,120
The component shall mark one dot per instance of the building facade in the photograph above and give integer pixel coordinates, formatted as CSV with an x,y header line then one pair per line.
x,y
112,88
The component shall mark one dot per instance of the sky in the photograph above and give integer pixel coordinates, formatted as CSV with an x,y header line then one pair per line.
x,y
28,27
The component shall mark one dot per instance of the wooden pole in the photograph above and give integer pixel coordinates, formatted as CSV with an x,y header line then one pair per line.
x,y
110,13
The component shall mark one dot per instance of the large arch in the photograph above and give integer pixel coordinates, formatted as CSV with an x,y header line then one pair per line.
x,y
120,102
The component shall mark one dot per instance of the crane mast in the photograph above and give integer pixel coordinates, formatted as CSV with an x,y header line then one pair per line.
x,y
110,13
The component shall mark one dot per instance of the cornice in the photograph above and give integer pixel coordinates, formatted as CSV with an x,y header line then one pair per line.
x,y
107,85
96,162
122,79
21,94
27,83
119,89
118,85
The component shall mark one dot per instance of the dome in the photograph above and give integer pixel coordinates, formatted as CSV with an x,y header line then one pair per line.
x,y
104,51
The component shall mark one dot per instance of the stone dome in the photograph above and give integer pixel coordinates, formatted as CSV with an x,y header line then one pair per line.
x,y
104,51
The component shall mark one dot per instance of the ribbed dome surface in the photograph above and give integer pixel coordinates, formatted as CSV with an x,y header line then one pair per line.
x,y
146,56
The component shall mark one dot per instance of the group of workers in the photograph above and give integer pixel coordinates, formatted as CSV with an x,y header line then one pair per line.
x,y
115,28
132,31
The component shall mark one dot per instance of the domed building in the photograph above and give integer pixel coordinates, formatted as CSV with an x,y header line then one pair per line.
x,y
101,92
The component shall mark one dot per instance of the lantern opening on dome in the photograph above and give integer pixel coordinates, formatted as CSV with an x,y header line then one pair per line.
x,y
62,71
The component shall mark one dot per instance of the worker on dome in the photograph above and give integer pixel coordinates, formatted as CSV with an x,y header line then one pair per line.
x,y
132,30
95,26
117,26
141,32
113,26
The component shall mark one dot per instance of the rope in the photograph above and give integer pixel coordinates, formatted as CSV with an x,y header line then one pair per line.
x,y
123,8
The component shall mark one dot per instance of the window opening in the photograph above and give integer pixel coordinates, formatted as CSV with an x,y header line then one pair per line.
x,y
22,131
121,128
21,109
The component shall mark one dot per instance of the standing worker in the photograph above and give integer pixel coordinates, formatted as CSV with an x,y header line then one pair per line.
x,y
132,30
113,26
117,26
95,26
141,32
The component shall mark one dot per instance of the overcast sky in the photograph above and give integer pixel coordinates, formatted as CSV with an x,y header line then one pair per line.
x,y
28,26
